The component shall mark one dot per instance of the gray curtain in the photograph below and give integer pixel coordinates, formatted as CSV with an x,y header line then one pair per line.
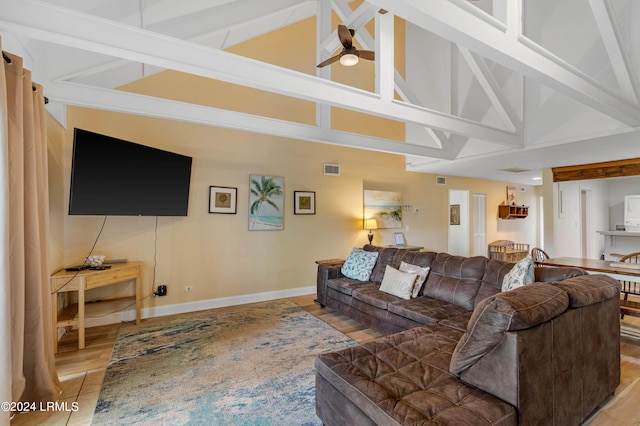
x,y
26,338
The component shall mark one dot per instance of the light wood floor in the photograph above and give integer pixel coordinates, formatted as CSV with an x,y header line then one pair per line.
x,y
81,371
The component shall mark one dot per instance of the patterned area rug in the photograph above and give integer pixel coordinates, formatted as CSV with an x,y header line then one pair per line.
x,y
252,366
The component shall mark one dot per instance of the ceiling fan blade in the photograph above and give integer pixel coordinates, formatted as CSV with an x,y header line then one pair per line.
x,y
367,54
344,34
328,61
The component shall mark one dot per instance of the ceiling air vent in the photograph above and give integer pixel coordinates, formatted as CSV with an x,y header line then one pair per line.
x,y
332,169
515,170
441,180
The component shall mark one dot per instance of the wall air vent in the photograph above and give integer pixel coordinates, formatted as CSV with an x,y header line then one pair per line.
x,y
332,169
441,180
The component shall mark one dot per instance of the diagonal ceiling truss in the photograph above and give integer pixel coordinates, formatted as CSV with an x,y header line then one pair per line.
x,y
465,25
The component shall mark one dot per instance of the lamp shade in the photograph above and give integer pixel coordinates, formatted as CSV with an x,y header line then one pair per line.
x,y
370,224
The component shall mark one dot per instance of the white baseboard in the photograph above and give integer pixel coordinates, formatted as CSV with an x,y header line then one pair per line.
x,y
201,305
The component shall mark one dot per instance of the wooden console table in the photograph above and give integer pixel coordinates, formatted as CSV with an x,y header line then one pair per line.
x,y
87,279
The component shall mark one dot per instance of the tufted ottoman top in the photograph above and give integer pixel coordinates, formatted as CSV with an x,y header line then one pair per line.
x,y
404,379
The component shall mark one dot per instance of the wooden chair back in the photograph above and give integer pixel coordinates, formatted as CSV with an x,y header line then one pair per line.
x,y
539,255
629,287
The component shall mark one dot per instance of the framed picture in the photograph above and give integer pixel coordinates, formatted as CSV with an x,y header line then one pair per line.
x,y
511,195
454,214
385,207
266,203
304,202
399,239
223,199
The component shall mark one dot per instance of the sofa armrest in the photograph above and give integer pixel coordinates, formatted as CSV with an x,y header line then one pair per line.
x,y
326,272
519,309
561,369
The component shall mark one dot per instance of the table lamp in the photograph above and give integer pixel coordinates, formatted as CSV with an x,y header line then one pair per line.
x,y
370,224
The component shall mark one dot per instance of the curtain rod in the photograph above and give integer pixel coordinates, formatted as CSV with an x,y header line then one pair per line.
x,y
7,59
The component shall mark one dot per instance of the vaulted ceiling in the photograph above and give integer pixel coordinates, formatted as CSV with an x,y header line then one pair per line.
x,y
498,89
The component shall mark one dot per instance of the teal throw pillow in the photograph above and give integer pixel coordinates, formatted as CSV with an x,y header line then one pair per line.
x,y
359,264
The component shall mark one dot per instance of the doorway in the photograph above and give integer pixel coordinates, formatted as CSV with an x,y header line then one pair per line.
x,y
587,225
459,226
479,224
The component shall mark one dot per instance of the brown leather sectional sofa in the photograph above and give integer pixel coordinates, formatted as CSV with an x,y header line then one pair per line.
x,y
463,352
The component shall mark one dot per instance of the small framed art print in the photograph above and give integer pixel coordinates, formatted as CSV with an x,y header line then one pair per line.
x,y
304,202
223,199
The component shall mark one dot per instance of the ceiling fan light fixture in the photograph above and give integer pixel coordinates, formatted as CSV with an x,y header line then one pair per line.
x,y
349,59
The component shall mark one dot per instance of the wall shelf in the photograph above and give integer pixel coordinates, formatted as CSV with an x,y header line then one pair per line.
x,y
512,212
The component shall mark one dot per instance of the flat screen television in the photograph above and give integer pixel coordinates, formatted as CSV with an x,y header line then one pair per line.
x,y
114,177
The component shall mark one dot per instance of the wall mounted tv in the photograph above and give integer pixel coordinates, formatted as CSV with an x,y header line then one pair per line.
x,y
114,177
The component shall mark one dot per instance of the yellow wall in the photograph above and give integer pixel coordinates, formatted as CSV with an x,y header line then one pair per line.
x,y
216,253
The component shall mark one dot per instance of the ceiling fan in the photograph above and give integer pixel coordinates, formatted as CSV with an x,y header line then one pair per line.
x,y
349,55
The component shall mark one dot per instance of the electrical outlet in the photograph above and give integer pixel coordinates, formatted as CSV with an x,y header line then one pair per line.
x,y
188,288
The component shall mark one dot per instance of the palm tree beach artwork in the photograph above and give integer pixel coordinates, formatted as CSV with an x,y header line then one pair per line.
x,y
266,200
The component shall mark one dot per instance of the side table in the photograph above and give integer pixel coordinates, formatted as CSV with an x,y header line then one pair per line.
x,y
81,281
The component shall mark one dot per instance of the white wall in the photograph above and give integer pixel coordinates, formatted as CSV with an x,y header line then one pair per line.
x,y
618,188
609,199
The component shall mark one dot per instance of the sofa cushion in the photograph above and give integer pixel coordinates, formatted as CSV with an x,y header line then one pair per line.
x,y
394,257
385,256
556,273
455,279
420,278
403,379
398,283
373,296
359,264
347,285
492,279
520,275
587,290
524,307
414,257
459,322
425,310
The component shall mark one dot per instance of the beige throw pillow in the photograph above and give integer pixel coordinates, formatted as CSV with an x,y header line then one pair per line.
x,y
421,272
397,282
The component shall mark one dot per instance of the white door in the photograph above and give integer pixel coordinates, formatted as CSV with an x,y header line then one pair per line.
x,y
479,224
459,228
587,229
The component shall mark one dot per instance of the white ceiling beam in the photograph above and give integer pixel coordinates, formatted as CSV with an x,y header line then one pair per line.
x,y
384,63
203,24
166,10
492,89
354,19
613,43
74,29
454,20
149,106
323,29
221,21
